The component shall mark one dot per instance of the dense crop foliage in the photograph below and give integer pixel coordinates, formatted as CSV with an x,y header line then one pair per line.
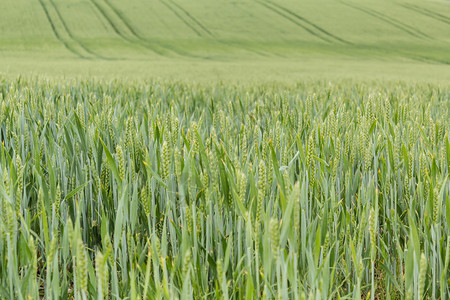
x,y
114,190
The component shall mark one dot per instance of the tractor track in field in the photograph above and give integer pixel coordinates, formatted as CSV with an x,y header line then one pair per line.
x,y
120,33
300,18
141,40
199,24
265,52
201,28
426,59
417,31
124,21
76,40
111,23
292,20
397,24
426,12
432,12
181,18
58,36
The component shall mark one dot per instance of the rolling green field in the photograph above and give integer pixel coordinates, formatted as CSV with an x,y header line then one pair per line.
x,y
257,40
224,149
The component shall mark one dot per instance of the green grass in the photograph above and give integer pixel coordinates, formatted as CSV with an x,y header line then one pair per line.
x,y
288,39
178,149
159,190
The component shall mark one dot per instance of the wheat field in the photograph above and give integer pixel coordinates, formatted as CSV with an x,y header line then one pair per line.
x,y
156,190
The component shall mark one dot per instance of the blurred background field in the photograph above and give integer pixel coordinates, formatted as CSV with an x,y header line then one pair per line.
x,y
238,41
